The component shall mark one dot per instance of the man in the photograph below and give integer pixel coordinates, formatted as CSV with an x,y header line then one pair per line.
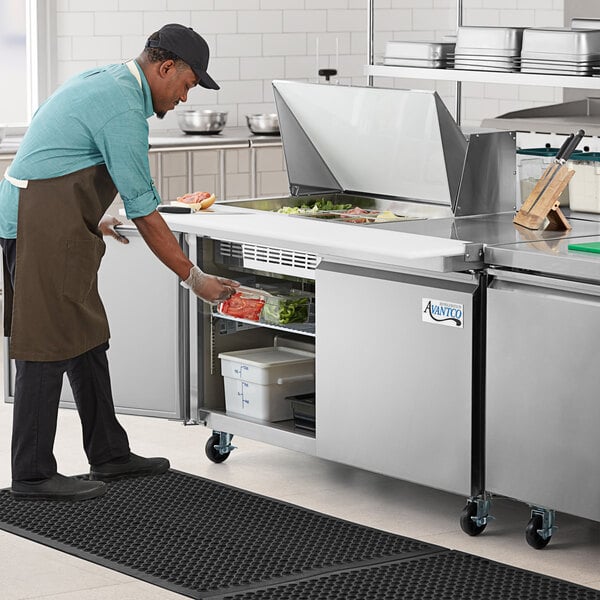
x,y
85,143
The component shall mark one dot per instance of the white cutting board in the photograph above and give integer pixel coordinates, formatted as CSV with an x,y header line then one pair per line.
x,y
322,238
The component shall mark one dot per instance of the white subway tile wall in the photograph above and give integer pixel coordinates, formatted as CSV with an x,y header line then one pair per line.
x,y
255,41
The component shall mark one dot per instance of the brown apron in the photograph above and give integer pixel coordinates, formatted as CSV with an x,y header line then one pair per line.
x,y
56,310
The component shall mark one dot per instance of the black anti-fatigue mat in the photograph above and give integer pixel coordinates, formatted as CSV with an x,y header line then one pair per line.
x,y
201,538
446,575
208,540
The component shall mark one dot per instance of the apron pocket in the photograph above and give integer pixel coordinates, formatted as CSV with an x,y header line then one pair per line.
x,y
81,267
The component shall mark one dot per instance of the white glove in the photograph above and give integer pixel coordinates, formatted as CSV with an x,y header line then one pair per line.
x,y
209,288
107,227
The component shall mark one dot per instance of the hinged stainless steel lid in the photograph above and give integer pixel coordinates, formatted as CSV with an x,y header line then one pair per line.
x,y
382,142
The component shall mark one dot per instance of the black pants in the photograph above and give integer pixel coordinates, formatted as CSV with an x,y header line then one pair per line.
x,y
37,394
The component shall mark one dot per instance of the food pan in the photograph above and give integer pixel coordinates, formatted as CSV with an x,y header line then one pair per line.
x,y
563,63
561,44
280,309
552,69
416,62
247,303
418,50
500,41
484,67
487,61
578,23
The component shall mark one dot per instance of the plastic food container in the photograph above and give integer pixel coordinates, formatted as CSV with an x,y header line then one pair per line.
x,y
294,307
246,303
257,381
531,164
584,187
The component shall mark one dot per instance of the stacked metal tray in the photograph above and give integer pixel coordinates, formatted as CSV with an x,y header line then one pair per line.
x,y
430,55
561,51
584,23
488,48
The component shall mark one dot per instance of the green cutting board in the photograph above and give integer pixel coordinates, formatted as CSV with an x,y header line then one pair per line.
x,y
589,247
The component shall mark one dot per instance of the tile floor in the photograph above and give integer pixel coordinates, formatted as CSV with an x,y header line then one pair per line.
x,y
31,571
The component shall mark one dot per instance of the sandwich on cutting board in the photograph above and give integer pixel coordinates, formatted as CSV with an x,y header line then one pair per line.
x,y
195,201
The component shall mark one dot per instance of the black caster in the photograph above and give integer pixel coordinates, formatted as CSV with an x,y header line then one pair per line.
x,y
533,536
216,450
469,521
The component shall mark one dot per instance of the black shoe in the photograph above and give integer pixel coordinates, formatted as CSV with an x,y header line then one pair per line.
x,y
57,487
135,466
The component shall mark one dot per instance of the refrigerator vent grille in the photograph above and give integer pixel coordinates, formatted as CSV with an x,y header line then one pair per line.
x,y
279,260
229,250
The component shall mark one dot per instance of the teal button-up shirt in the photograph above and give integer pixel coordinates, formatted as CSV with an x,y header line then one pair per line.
x,y
97,117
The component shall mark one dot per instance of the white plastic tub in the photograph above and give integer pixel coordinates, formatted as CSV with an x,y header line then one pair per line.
x,y
584,187
258,380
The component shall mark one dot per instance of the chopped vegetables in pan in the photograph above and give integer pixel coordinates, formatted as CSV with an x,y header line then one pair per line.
x,y
316,206
280,311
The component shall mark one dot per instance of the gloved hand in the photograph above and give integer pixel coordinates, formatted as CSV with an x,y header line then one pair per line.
x,y
107,227
210,288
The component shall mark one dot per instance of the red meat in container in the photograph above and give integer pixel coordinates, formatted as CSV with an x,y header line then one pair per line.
x,y
242,306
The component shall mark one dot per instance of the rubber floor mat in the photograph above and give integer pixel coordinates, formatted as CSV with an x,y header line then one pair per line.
x,y
201,538
443,576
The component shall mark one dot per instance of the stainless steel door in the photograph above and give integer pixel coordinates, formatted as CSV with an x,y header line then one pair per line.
x,y
141,298
542,392
394,387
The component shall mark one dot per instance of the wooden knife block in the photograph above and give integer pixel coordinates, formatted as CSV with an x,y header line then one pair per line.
x,y
533,215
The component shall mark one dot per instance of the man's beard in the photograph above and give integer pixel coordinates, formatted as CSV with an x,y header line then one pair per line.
x,y
161,114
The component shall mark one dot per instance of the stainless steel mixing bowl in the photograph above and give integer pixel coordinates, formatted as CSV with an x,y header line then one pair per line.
x,y
201,121
263,123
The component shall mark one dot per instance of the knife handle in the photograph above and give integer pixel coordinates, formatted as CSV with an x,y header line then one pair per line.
x,y
572,145
560,153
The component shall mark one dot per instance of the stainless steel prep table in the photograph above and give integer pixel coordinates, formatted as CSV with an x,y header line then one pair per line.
x,y
414,394
542,379
413,405
369,261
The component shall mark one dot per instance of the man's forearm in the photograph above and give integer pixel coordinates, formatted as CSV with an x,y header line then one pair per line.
x,y
162,242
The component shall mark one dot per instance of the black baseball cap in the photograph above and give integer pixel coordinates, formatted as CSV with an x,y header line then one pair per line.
x,y
189,46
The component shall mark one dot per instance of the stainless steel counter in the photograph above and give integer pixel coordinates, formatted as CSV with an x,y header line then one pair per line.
x,y
551,256
490,230
231,138
9,147
509,245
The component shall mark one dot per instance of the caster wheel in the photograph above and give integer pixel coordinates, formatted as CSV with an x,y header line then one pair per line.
x,y
467,524
534,539
211,452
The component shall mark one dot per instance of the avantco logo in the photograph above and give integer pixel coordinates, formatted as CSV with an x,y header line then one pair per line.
x,y
442,313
